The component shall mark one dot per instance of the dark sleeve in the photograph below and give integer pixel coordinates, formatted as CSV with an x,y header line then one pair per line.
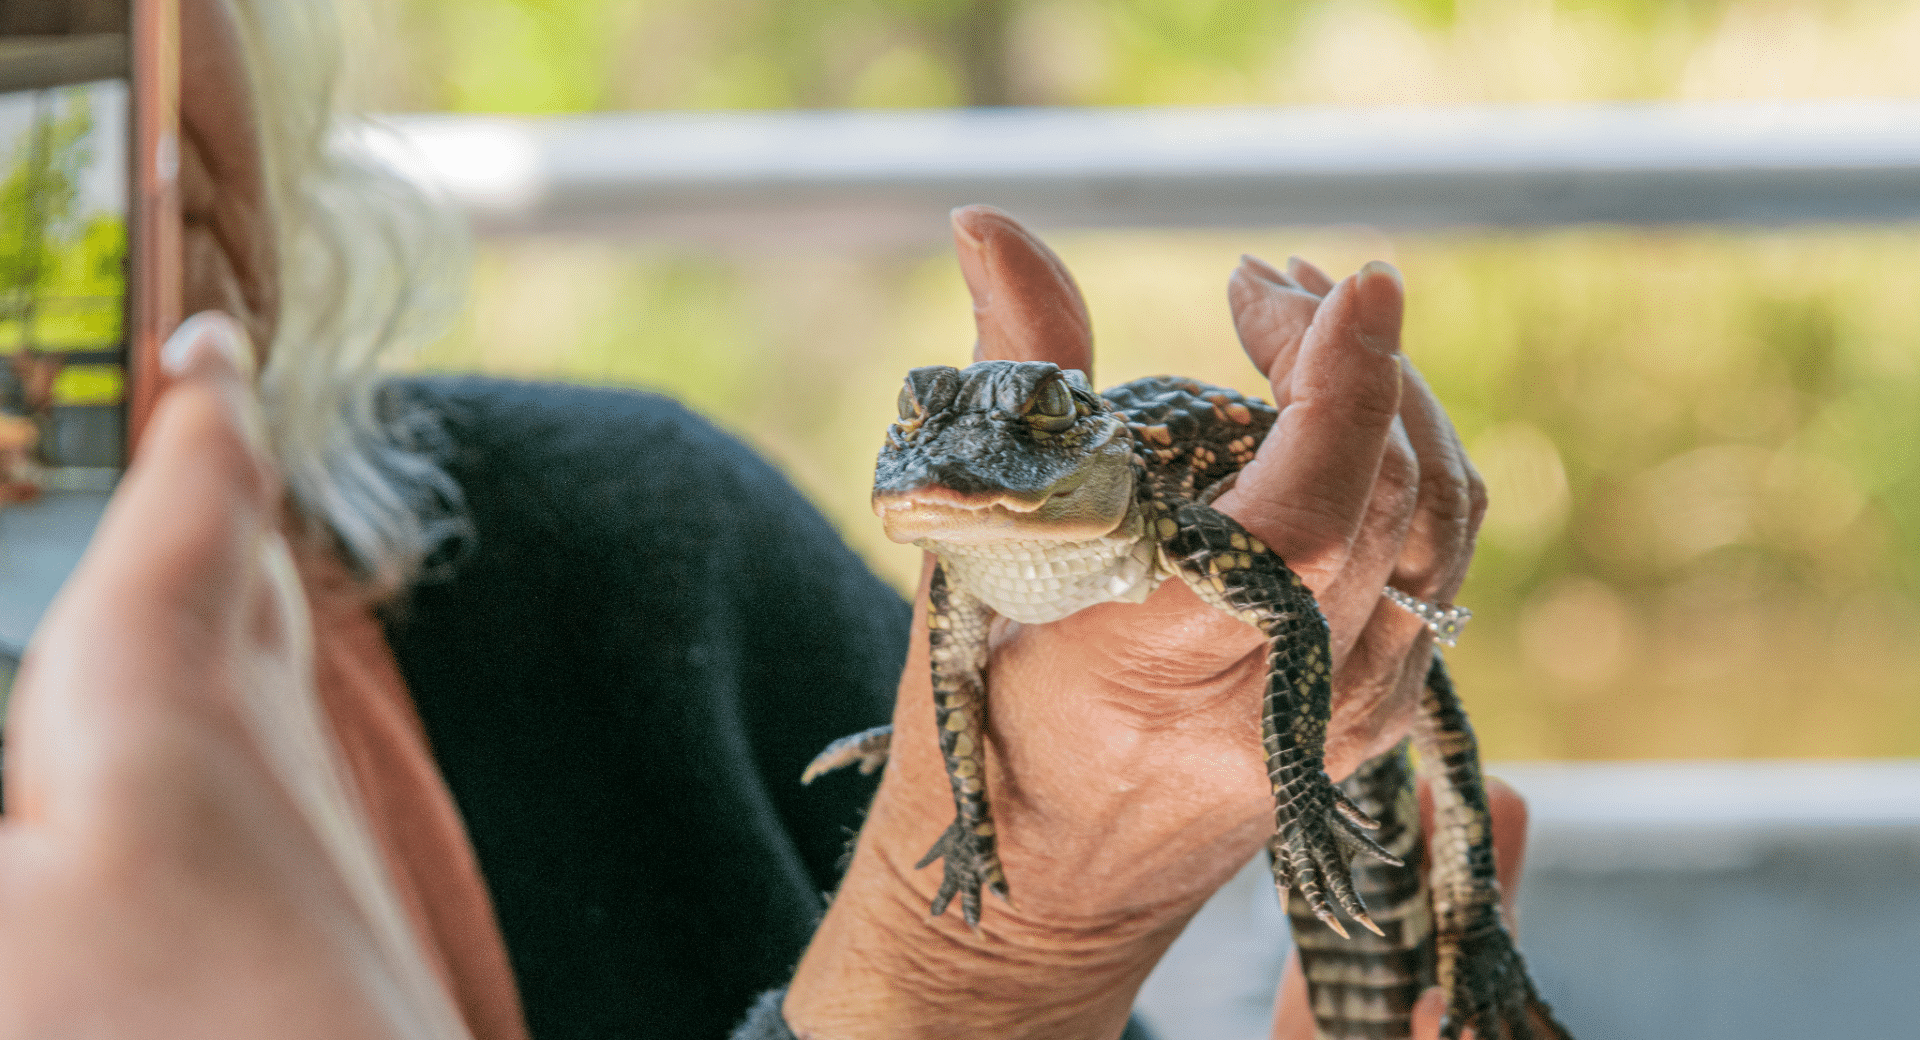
x,y
622,671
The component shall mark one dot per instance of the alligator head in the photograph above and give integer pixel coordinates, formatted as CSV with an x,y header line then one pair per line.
x,y
1000,451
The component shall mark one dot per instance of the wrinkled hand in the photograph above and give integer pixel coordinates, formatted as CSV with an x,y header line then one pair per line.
x,y
1293,1016
1125,763
171,859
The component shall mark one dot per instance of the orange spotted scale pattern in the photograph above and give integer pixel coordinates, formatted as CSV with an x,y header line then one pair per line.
x,y
1190,435
1020,434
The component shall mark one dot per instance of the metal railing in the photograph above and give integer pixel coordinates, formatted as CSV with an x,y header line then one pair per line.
x,y
853,177
1696,900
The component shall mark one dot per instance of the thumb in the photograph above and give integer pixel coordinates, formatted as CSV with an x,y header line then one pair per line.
x,y
1026,306
164,587
202,488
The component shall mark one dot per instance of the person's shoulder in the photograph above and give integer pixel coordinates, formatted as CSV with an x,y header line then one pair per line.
x,y
537,419
548,443
562,468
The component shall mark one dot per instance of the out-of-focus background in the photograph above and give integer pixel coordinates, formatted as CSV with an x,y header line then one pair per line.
x,y
1702,441
1703,446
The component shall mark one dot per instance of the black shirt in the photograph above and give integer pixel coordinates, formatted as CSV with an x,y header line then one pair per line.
x,y
622,673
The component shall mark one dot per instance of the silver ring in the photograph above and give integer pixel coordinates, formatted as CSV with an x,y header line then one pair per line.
x,y
1444,622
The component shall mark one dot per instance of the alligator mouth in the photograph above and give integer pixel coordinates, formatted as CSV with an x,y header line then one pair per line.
x,y
945,515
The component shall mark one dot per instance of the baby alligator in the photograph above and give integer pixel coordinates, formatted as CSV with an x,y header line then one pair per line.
x,y
1041,497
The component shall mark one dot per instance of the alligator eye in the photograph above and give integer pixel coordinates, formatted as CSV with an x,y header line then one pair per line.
x,y
1053,410
908,404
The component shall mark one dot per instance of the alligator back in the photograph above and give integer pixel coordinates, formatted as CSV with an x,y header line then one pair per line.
x,y
1189,435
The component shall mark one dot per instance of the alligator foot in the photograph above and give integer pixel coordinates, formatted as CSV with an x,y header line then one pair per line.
x,y
1313,852
970,862
868,747
1490,992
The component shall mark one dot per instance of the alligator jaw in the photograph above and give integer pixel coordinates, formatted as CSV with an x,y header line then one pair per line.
x,y
941,514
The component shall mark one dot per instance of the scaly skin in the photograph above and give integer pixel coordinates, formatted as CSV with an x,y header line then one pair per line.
x,y
1445,932
1039,498
1316,829
1486,982
957,636
1365,988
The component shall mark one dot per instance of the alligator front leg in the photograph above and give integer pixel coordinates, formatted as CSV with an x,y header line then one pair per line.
x,y
957,646
1317,830
869,748
1477,963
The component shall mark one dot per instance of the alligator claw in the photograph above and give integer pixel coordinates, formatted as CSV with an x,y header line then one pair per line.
x,y
1353,813
1490,992
971,862
869,748
1313,854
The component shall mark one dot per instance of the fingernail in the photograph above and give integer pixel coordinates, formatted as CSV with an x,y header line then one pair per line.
x,y
204,335
1381,300
213,336
1381,269
972,252
1267,271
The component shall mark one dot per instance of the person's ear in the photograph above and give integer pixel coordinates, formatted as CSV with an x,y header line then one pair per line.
x,y
230,259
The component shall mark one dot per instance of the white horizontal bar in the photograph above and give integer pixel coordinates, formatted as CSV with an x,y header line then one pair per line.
x,y
1822,793
1603,817
892,175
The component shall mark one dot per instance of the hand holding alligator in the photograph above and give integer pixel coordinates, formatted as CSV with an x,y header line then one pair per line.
x,y
1129,779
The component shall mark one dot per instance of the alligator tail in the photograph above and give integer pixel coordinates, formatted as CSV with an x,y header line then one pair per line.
x,y
1364,988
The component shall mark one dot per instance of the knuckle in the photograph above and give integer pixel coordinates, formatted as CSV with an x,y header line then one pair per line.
x,y
1369,405
1476,498
1366,395
1400,469
1446,505
1311,532
1446,522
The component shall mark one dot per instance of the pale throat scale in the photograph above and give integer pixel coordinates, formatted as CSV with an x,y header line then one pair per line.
x,y
1040,497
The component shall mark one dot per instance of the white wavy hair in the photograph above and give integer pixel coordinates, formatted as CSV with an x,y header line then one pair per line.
x,y
367,262
370,263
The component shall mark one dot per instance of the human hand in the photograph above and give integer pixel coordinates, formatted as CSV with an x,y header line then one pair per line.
x,y
178,855
1293,1015
1126,768
1421,518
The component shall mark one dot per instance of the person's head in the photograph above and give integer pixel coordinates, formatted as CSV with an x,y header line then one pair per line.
x,y
328,258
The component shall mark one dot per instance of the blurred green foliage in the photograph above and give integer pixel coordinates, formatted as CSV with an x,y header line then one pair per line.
x,y
62,271
543,56
1703,447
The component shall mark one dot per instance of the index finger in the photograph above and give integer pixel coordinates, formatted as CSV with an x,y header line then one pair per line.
x,y
1306,491
1025,304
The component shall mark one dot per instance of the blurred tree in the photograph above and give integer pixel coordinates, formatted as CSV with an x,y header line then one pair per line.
x,y
586,55
36,203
